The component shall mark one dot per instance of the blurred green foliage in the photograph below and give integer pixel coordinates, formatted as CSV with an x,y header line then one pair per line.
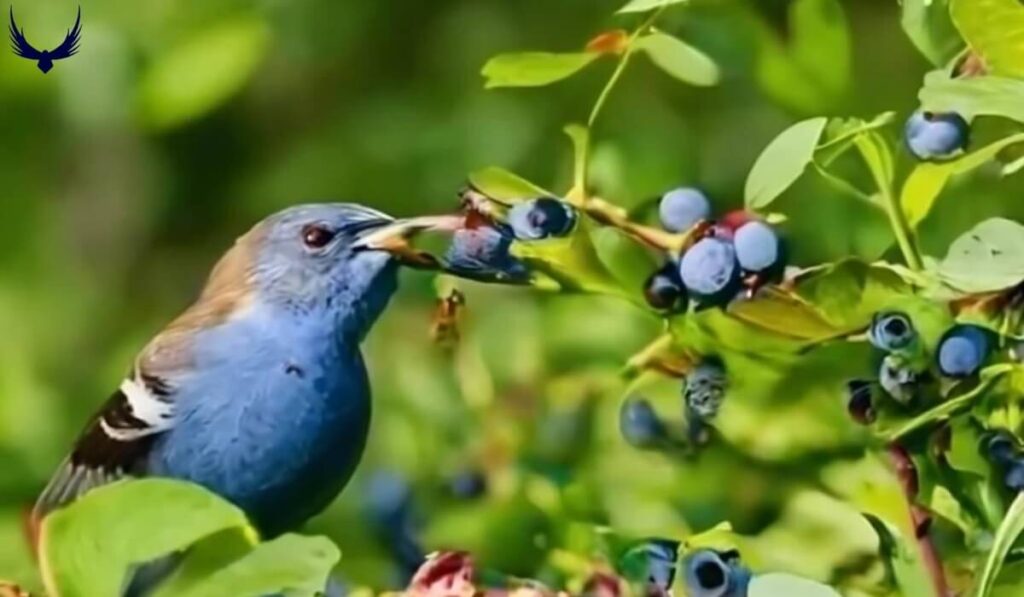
x,y
130,167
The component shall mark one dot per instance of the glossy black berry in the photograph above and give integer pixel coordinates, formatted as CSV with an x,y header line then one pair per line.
x,y
664,290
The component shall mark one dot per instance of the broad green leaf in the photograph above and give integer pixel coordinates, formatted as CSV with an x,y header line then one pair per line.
x,y
503,185
1008,532
841,133
987,258
928,25
292,565
993,29
964,450
776,584
782,162
648,5
679,59
571,264
902,561
786,315
200,74
877,154
973,96
580,137
926,181
133,518
534,69
812,72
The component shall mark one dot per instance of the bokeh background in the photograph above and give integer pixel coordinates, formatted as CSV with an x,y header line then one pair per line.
x,y
126,171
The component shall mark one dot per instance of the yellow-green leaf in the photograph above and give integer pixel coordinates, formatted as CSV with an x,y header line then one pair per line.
x,y
993,29
534,69
679,59
987,258
648,5
503,185
782,162
198,75
973,96
132,517
927,180
1007,533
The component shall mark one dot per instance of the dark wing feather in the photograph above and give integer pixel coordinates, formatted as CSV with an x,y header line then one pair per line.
x,y
69,47
19,44
114,444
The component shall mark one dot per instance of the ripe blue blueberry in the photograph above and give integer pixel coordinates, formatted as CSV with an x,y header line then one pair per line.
x,y
664,290
859,403
963,350
705,388
640,425
1000,448
654,562
681,208
541,218
932,136
709,270
1014,478
758,247
891,331
482,253
898,379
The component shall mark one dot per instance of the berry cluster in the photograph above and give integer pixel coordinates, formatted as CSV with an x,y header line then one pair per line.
x,y
738,253
481,248
1004,452
906,368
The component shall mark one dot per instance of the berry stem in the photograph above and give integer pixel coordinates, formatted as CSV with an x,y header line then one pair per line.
x,y
919,518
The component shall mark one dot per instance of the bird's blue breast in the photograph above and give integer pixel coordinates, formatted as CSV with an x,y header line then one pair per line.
x,y
274,418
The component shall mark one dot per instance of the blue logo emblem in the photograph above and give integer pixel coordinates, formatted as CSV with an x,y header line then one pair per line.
x,y
44,59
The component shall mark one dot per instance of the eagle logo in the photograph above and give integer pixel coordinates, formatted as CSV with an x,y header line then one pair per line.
x,y
44,59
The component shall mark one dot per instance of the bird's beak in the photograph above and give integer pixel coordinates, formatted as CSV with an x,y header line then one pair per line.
x,y
394,236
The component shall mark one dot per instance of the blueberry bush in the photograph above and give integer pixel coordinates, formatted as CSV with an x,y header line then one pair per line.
x,y
860,418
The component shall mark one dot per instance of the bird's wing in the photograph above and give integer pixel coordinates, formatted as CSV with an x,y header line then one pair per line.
x,y
69,47
19,44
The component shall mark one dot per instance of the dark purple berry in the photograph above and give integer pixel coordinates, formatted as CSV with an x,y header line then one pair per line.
x,y
664,290
640,424
541,218
860,404
482,253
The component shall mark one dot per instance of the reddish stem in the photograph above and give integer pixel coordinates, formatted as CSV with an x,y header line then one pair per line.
x,y
919,517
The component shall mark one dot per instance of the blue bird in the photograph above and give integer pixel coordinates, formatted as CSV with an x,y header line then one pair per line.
x,y
44,58
258,391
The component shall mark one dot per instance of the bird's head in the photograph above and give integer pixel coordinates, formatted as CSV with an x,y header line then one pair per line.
x,y
306,260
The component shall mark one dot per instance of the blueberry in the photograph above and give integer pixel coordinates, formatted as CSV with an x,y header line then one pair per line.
x,y
963,350
860,404
705,388
654,562
707,575
482,253
891,331
541,218
681,208
709,270
932,136
468,484
664,290
1014,478
898,379
758,247
640,425
1000,447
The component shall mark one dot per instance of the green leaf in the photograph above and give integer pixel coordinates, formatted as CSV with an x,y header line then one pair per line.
x,y
782,162
534,69
293,565
571,264
133,517
503,185
1006,535
901,560
926,181
580,137
987,258
878,155
993,29
679,59
779,583
964,450
786,315
973,96
647,5
928,25
198,75
813,72
841,133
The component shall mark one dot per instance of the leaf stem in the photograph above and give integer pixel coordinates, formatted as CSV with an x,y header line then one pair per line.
x,y
901,229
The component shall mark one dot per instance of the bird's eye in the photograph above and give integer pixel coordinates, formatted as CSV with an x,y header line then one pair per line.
x,y
316,236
